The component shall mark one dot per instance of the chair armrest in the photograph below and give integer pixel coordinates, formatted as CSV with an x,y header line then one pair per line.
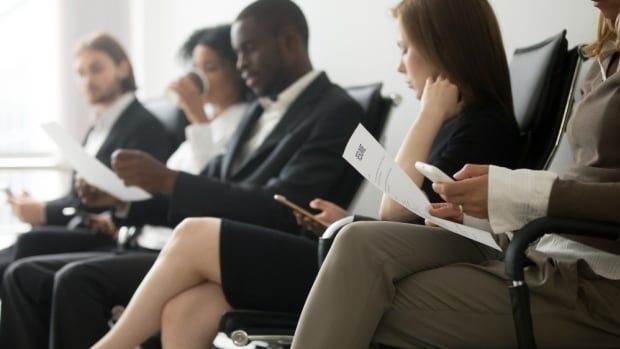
x,y
326,240
515,253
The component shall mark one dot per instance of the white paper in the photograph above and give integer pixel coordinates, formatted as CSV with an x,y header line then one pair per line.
x,y
90,168
369,158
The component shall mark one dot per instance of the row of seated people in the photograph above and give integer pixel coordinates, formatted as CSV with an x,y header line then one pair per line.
x,y
398,284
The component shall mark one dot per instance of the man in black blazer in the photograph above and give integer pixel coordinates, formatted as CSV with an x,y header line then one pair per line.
x,y
120,121
290,142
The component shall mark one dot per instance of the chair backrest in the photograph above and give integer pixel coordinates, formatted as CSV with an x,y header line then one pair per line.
x,y
561,157
171,117
376,111
540,78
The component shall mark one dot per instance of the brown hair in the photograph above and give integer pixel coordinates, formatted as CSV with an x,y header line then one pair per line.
x,y
463,40
107,44
607,30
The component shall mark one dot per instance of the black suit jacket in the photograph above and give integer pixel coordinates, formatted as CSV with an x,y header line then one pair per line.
x,y
136,128
301,159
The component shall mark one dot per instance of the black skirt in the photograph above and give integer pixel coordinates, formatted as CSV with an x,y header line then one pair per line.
x,y
266,269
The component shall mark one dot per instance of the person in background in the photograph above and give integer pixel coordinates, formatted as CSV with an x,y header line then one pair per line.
x,y
290,142
213,116
118,121
409,286
211,53
208,268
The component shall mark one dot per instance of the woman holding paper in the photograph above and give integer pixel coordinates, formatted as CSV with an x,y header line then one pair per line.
x,y
414,286
466,116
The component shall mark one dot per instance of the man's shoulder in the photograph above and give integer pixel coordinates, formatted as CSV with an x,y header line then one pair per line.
x,y
140,116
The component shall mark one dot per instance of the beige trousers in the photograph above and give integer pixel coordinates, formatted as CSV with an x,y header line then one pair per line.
x,y
410,286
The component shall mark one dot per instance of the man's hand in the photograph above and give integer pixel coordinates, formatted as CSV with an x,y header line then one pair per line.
x,y
138,168
470,191
95,198
28,209
103,224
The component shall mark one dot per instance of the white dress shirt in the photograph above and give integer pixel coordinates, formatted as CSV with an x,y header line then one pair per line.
x,y
518,197
204,141
104,121
272,114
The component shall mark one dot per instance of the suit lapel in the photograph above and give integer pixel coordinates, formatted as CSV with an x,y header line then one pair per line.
x,y
118,131
296,113
240,136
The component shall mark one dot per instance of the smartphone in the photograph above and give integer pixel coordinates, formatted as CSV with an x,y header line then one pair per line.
x,y
431,172
283,200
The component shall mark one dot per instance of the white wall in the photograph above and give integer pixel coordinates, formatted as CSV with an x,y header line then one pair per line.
x,y
353,40
79,18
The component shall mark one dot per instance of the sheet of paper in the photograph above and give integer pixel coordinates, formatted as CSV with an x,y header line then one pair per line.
x,y
91,169
369,158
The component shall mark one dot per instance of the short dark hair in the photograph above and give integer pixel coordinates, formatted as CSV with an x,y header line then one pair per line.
x,y
218,39
109,45
277,15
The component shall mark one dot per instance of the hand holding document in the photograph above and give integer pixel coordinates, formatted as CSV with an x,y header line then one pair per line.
x,y
91,169
369,158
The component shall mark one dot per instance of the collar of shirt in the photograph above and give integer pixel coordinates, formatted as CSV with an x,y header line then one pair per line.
x,y
604,57
286,97
229,118
104,120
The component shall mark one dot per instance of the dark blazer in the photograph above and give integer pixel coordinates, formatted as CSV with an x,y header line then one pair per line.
x,y
136,128
301,159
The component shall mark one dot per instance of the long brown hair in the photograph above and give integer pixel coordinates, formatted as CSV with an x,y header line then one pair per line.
x,y
107,44
606,30
463,40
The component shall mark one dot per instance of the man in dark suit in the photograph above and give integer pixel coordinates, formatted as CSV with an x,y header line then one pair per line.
x,y
120,121
290,142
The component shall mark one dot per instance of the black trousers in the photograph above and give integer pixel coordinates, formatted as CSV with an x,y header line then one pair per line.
x,y
73,293
51,240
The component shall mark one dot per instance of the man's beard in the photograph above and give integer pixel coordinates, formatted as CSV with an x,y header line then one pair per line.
x,y
107,97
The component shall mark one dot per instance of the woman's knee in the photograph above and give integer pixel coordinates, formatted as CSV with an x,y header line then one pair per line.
x,y
356,237
193,232
190,228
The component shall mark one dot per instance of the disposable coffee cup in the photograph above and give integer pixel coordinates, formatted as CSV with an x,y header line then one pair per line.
x,y
197,78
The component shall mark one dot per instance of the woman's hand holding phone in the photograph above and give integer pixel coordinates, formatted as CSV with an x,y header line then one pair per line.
x,y
317,224
330,213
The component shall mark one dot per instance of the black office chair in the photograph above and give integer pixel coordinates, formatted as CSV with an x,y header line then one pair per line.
x,y
276,329
540,77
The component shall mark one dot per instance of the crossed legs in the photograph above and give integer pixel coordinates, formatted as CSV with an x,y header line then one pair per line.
x,y
181,294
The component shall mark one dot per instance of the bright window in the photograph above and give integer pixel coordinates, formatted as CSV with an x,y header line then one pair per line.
x,y
29,80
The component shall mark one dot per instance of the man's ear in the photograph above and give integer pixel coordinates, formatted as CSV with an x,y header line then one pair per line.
x,y
290,39
124,69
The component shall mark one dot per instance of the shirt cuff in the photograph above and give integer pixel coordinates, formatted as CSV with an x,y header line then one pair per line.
x,y
517,197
